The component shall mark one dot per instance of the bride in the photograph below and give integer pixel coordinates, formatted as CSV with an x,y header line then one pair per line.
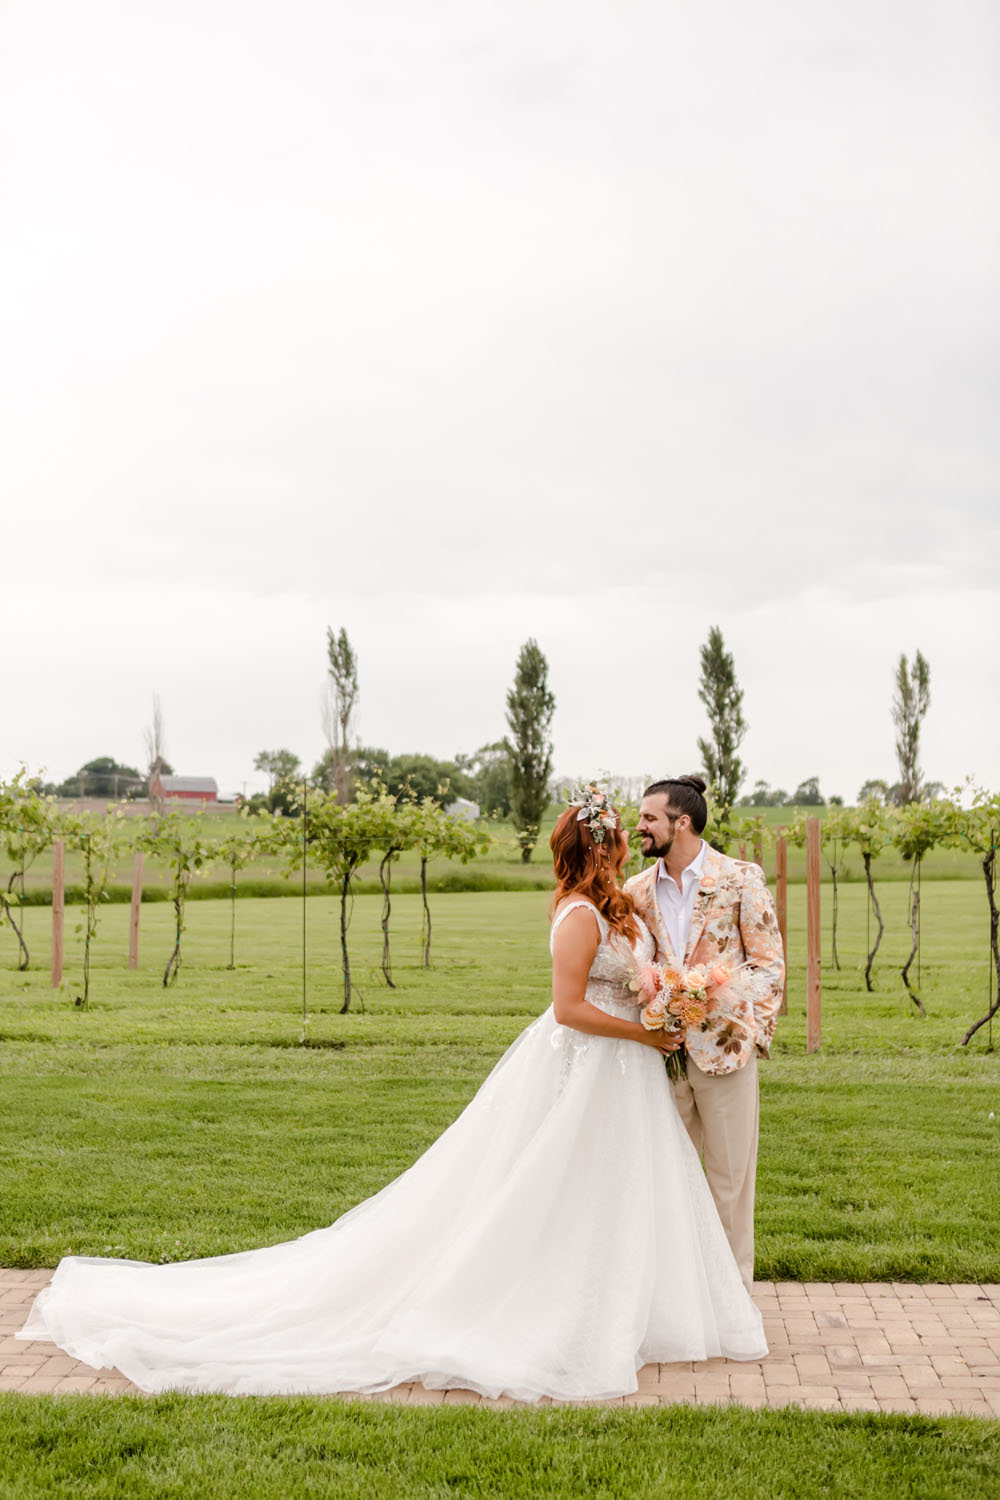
x,y
559,1235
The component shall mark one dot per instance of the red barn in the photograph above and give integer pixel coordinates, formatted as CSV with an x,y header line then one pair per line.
x,y
203,789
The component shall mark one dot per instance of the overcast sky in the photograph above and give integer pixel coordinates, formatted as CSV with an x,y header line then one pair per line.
x,y
457,323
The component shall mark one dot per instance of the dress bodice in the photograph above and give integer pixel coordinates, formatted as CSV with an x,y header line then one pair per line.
x,y
615,962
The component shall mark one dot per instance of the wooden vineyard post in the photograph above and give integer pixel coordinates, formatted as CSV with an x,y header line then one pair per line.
x,y
743,849
758,852
781,883
58,909
813,982
133,926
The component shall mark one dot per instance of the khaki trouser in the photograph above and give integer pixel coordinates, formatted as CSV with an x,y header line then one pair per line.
x,y
722,1115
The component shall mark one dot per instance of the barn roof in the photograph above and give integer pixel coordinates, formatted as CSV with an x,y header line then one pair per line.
x,y
189,784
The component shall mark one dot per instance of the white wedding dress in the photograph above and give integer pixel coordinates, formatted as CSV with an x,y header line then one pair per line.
x,y
559,1235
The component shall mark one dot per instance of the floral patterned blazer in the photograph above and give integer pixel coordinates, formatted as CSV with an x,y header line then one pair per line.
x,y
733,922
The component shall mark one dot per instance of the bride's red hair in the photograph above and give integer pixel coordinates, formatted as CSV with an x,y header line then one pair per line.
x,y
585,868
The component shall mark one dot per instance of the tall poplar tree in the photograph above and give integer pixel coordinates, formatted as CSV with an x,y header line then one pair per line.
x,y
530,706
154,738
909,705
723,698
339,705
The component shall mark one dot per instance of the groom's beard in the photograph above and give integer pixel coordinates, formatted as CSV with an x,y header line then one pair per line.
x,y
656,851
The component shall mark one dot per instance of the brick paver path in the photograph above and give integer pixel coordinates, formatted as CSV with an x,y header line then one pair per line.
x,y
836,1346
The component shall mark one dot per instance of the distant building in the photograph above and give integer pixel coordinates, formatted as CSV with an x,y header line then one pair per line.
x,y
202,789
463,808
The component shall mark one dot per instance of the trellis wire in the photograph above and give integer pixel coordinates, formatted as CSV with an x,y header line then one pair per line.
x,y
989,992
919,866
990,972
305,817
85,997
834,959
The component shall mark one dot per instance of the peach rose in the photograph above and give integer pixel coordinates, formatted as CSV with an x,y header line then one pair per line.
x,y
653,1015
719,974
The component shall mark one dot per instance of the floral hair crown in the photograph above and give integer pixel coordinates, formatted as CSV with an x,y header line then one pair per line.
x,y
595,810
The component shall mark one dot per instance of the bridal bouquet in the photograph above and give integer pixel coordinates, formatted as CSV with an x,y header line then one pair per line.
x,y
673,1000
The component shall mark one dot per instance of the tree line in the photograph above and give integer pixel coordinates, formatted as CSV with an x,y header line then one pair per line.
x,y
507,778
511,777
720,692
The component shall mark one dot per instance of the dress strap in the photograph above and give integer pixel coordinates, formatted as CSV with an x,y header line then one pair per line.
x,y
564,911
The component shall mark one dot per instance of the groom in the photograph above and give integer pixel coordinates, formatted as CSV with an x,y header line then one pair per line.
x,y
704,908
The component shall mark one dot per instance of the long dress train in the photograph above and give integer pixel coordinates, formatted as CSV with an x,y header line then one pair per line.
x,y
559,1235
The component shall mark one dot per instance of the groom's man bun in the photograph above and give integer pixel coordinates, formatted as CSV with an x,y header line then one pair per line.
x,y
684,794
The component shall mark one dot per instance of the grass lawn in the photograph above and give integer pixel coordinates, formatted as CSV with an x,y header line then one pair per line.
x,y
167,1124
135,1449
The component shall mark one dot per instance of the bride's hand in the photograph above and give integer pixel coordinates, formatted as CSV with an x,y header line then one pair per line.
x,y
665,1042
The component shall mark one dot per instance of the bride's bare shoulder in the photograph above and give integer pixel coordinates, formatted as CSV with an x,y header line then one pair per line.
x,y
574,921
571,900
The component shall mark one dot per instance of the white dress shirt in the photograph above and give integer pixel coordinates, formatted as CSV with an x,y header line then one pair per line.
x,y
676,905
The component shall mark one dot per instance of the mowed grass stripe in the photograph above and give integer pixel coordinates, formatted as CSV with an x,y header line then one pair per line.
x,y
129,1448
490,958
